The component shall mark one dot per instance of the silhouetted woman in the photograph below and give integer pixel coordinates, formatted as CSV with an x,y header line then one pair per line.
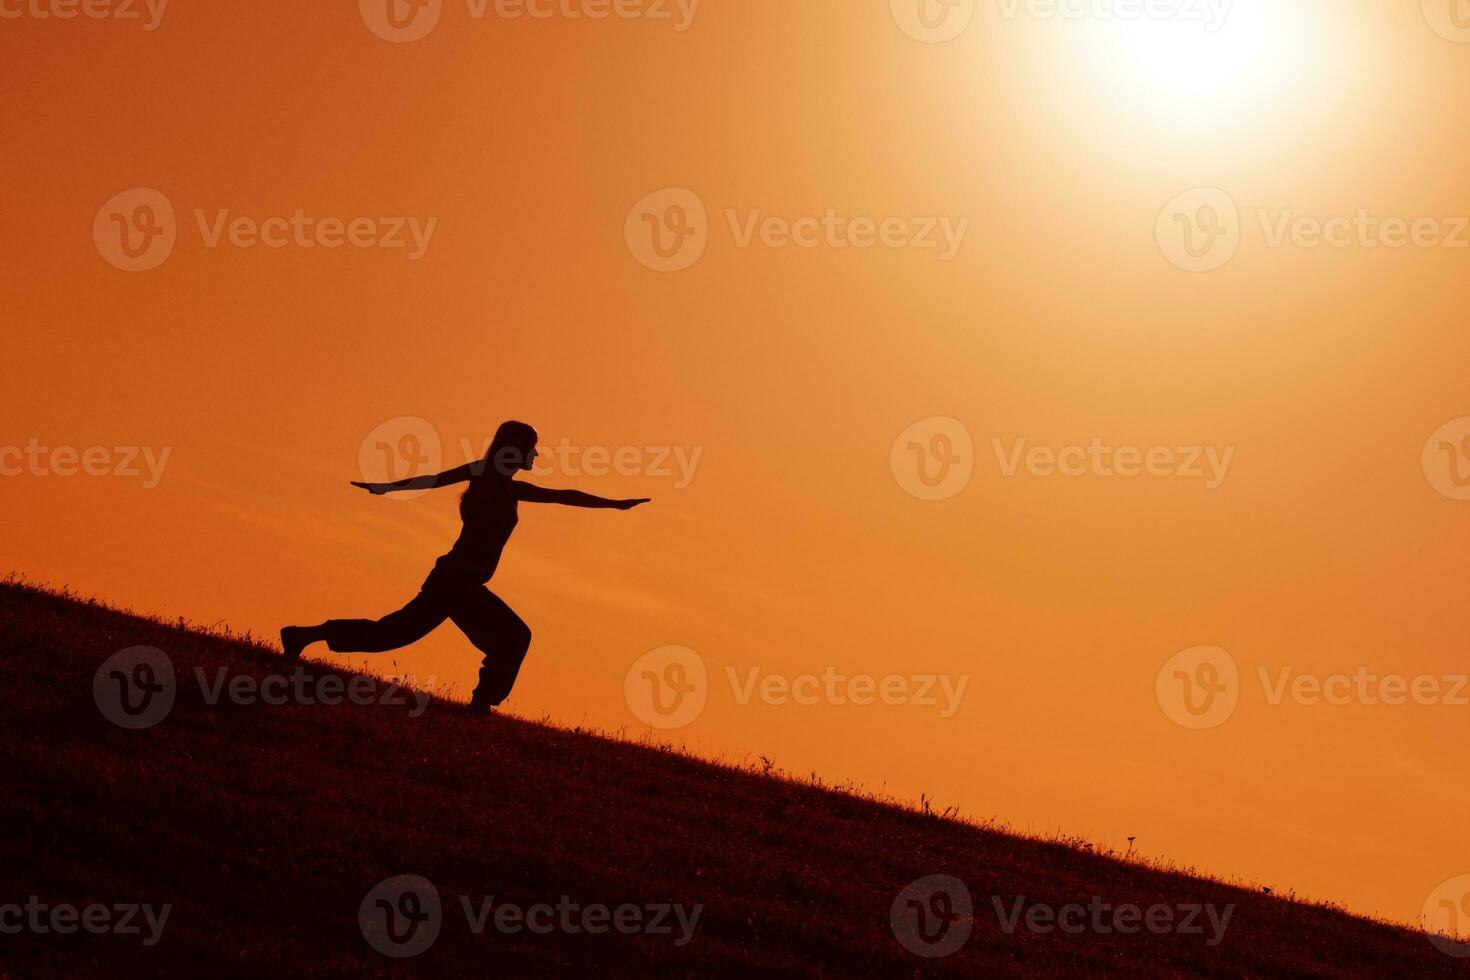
x,y
455,589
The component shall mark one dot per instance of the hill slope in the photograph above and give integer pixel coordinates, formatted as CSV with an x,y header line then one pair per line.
x,y
264,828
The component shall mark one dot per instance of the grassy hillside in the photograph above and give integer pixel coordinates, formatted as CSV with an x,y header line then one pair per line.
x,y
265,827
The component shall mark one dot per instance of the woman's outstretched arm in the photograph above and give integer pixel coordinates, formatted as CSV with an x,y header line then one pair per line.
x,y
571,498
457,475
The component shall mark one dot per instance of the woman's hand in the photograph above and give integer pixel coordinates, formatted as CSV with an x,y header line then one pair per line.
x,y
630,504
376,489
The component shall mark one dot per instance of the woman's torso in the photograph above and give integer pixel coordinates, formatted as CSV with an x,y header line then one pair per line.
x,y
489,515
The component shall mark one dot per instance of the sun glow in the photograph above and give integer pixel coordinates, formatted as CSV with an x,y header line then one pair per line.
x,y
1228,61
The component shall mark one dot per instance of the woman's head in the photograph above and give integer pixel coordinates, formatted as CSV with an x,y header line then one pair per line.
x,y
512,449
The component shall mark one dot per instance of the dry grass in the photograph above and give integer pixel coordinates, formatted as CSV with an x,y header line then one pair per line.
x,y
265,826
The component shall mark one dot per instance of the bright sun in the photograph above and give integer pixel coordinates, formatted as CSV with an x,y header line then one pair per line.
x,y
1186,61
1175,70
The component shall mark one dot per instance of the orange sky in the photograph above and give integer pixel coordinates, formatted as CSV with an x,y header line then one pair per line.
x,y
791,371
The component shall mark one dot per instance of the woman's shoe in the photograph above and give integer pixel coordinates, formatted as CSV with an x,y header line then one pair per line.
x,y
292,642
479,706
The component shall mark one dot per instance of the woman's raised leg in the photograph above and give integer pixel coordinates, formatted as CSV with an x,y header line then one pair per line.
x,y
397,629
